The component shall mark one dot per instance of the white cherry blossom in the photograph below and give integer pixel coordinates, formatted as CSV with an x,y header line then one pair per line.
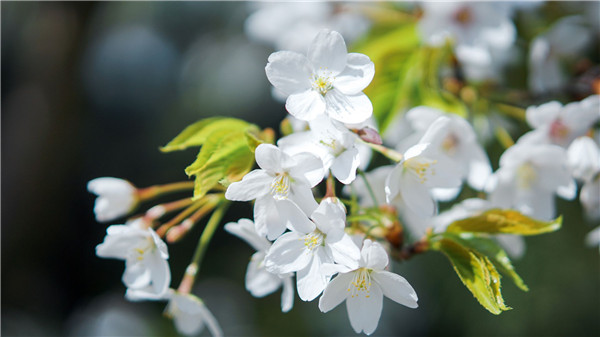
x,y
335,145
419,171
292,26
363,289
482,33
282,189
327,81
147,274
554,123
259,281
190,315
529,176
304,252
116,197
566,38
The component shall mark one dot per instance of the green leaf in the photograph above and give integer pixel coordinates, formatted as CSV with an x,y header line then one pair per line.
x,y
491,249
197,133
498,221
226,153
476,272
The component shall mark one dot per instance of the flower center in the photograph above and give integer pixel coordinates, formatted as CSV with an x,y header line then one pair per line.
x,y
280,186
526,176
558,131
422,168
145,246
333,146
463,16
314,239
450,144
361,283
322,81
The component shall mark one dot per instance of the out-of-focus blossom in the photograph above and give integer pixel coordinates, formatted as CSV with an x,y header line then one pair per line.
x,y
363,289
259,281
554,123
116,197
190,315
327,81
584,161
567,38
529,176
482,32
292,26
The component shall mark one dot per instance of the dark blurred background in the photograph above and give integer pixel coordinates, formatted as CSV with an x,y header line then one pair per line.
x,y
93,89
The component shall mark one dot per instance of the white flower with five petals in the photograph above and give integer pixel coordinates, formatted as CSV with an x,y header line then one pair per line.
x,y
363,288
327,81
304,252
282,189
147,274
259,281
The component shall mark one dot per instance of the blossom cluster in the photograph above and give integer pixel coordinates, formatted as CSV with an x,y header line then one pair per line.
x,y
301,233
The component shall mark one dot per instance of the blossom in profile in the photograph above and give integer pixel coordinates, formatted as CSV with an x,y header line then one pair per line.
x,y
528,178
116,197
363,288
147,274
327,80
554,123
259,281
282,189
305,252
190,315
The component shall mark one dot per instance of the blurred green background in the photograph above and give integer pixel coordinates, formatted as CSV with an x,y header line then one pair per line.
x,y
93,89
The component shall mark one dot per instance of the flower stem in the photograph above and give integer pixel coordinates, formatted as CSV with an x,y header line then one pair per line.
x,y
159,210
391,154
152,192
192,270
330,193
371,193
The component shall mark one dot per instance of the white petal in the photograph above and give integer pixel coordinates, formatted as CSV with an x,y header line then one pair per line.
x,y
269,158
309,167
305,105
417,197
480,169
373,255
303,197
351,109
514,245
543,114
160,272
287,295
590,198
445,194
136,275
310,281
267,219
364,312
335,292
260,282
246,230
188,324
396,288
356,76
344,166
293,217
211,322
254,185
288,254
345,252
289,72
330,216
393,183
328,51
